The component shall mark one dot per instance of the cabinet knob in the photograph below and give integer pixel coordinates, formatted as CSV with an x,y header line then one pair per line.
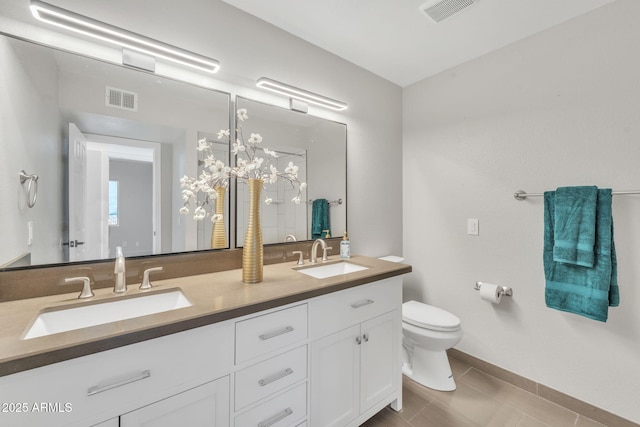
x,y
358,340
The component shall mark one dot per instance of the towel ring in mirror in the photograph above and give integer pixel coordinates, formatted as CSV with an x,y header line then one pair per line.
x,y
32,187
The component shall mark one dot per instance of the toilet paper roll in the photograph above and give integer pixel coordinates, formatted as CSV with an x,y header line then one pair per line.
x,y
490,292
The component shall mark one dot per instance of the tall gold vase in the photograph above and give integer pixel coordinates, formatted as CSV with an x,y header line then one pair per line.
x,y
219,234
252,252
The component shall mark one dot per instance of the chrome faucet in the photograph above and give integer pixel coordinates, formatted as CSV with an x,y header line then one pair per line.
x,y
314,251
120,285
290,238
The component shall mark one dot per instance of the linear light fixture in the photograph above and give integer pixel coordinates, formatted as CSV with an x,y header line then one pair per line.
x,y
81,24
301,94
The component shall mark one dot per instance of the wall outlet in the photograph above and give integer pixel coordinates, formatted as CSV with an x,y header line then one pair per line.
x,y
473,226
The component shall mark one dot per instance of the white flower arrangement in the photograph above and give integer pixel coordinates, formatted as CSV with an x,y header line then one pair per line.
x,y
249,165
215,174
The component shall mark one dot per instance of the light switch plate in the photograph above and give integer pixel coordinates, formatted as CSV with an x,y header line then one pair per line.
x,y
473,226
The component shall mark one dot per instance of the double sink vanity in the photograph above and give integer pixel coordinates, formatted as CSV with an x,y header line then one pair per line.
x,y
312,345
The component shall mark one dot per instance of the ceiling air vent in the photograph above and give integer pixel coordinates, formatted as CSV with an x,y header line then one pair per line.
x,y
123,99
439,10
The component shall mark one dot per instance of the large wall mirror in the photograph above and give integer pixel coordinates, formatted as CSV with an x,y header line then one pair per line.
x,y
109,145
319,148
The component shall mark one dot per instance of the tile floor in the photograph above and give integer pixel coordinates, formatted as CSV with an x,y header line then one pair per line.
x,y
479,400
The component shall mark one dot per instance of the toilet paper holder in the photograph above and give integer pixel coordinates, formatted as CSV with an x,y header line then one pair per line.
x,y
505,290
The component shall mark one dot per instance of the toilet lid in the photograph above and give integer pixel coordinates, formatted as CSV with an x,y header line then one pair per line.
x,y
429,317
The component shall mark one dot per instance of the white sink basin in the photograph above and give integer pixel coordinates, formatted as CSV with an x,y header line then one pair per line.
x,y
53,322
330,270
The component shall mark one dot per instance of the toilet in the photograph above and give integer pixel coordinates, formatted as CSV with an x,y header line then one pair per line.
x,y
428,332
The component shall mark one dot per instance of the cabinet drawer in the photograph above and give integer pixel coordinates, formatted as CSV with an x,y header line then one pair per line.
x,y
109,383
263,334
339,310
284,410
268,377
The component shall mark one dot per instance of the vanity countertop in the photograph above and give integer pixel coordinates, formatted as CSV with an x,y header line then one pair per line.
x,y
215,297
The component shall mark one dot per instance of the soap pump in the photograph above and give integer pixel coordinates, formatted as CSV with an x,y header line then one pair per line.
x,y
345,246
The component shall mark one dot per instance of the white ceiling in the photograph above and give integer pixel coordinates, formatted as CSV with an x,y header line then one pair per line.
x,y
397,41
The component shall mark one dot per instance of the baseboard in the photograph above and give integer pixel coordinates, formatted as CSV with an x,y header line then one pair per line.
x,y
571,403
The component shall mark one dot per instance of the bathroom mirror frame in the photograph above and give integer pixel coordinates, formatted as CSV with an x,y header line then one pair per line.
x,y
318,147
215,99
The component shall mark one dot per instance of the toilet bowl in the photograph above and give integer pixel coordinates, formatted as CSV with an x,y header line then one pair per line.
x,y
427,333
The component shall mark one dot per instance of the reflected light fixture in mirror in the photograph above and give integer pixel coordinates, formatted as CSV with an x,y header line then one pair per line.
x,y
82,24
301,94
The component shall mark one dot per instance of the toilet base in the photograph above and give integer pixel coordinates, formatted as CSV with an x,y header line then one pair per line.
x,y
431,369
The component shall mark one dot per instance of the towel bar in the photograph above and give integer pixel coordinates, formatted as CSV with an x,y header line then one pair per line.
x,y
522,195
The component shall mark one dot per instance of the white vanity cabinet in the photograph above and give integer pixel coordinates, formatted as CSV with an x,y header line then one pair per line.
x,y
355,353
332,360
92,389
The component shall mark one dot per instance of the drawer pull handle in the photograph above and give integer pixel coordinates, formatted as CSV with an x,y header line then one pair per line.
x,y
99,389
277,417
274,334
361,303
275,377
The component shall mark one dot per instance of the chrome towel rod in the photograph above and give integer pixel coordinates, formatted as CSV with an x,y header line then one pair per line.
x,y
522,195
332,202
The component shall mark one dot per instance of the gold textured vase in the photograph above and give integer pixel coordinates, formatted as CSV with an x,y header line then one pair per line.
x,y
219,234
252,252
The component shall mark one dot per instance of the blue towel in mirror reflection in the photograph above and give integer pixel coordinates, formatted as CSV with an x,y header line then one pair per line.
x,y
579,253
319,218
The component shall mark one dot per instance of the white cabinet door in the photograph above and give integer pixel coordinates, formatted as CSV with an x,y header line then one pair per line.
x,y
354,369
203,406
379,356
335,378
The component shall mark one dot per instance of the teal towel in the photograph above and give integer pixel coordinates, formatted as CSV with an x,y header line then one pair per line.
x,y
587,291
319,218
575,225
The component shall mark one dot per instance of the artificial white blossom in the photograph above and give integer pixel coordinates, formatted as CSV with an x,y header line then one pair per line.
x,y
255,138
270,152
203,145
199,213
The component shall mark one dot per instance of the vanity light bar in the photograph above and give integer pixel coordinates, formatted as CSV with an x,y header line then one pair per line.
x,y
118,36
301,94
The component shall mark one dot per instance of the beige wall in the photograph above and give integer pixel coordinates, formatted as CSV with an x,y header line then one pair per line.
x,y
559,108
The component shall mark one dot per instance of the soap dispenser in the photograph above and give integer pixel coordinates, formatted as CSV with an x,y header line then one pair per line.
x,y
345,246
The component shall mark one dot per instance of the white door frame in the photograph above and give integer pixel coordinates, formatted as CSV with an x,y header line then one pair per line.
x,y
138,150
